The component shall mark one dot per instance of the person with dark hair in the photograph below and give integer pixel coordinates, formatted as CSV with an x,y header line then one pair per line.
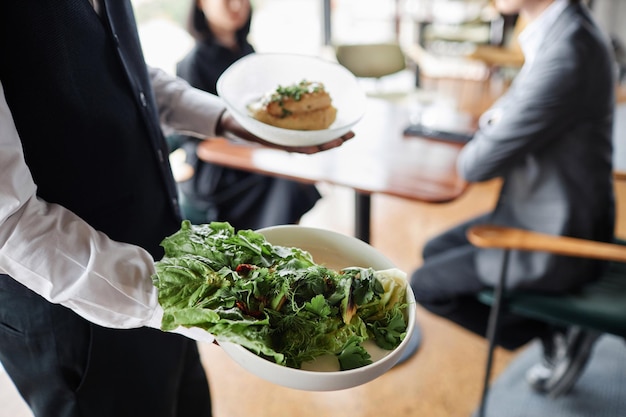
x,y
220,29
549,138
86,197
245,200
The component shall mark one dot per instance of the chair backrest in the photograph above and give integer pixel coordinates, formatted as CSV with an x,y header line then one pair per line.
x,y
371,60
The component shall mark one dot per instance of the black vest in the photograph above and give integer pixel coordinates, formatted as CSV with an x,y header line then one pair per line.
x,y
78,89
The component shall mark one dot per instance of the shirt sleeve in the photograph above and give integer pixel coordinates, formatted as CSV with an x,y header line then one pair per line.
x,y
185,109
56,254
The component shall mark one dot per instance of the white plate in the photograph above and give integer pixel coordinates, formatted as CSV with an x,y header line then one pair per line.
x,y
336,251
254,75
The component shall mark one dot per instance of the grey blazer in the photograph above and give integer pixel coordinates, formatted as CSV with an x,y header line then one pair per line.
x,y
552,146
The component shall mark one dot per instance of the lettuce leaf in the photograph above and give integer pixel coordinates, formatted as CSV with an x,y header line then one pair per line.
x,y
274,300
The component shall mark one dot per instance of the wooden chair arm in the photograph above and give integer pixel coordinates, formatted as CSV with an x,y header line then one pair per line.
x,y
489,236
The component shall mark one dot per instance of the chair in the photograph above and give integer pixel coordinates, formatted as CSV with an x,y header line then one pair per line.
x,y
372,61
599,305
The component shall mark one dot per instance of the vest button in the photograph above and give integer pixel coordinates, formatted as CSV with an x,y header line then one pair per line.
x,y
142,98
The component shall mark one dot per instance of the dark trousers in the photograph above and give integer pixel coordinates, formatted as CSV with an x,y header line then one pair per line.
x,y
65,366
447,284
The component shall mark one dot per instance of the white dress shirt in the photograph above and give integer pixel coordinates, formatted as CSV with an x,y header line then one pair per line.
x,y
56,254
532,36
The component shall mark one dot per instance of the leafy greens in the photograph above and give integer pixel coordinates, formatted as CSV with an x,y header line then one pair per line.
x,y
274,300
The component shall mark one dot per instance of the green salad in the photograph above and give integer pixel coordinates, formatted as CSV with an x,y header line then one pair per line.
x,y
275,300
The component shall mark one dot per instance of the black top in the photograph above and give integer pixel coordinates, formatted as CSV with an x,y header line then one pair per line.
x,y
205,63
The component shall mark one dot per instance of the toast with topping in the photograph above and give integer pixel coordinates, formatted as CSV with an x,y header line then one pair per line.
x,y
302,106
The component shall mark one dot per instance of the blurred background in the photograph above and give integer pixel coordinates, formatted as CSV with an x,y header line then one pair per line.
x,y
443,40
445,27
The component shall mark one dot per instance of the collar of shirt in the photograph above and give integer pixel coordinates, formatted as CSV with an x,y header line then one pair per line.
x,y
532,36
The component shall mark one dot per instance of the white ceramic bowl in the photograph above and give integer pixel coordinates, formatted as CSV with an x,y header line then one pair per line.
x,y
254,75
336,251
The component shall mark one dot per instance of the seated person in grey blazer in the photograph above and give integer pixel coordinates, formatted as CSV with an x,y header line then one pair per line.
x,y
549,138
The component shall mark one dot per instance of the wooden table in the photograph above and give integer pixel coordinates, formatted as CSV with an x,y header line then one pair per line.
x,y
379,159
